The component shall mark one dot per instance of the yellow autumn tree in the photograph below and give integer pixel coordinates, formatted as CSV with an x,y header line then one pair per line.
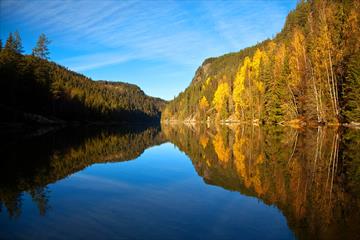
x,y
297,58
203,103
256,64
203,106
220,100
258,91
208,80
322,59
279,59
239,88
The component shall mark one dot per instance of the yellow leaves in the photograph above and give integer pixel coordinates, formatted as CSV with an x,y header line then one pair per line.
x,y
260,159
221,95
204,141
298,41
248,73
237,97
265,58
239,85
271,47
246,65
280,53
256,63
256,71
297,57
221,150
76,92
203,103
208,163
239,157
260,86
207,82
242,73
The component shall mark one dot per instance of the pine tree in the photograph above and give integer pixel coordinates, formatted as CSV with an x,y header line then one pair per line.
x,y
351,91
41,49
14,43
18,43
9,45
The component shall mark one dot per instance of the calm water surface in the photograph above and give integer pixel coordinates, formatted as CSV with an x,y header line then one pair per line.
x,y
181,182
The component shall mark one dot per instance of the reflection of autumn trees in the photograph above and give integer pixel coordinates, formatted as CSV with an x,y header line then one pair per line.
x,y
311,175
221,147
30,165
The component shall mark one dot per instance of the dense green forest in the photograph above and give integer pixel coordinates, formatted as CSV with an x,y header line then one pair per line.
x,y
34,89
308,73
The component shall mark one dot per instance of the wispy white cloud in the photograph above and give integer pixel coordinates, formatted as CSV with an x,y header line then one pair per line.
x,y
98,33
242,23
93,61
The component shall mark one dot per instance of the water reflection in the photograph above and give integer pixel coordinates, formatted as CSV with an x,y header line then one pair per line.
x,y
311,175
29,165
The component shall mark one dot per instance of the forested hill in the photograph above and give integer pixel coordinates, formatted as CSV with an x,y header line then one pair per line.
x,y
34,89
308,73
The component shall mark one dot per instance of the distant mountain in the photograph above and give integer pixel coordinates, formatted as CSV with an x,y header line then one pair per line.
x,y
308,73
37,90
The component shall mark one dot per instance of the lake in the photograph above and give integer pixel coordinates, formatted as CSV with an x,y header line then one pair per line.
x,y
181,181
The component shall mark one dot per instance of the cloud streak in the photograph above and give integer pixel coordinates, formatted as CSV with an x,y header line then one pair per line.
x,y
96,34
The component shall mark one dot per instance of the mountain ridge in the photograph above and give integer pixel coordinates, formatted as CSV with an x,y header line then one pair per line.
x,y
307,74
39,91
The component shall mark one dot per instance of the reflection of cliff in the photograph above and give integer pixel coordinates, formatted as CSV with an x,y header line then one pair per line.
x,y
312,176
32,164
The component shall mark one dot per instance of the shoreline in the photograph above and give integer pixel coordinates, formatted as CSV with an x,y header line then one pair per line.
x,y
293,124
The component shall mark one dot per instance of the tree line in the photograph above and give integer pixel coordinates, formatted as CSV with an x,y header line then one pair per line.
x,y
31,84
310,72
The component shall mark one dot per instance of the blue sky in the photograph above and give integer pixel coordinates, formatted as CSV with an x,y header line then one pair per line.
x,y
157,45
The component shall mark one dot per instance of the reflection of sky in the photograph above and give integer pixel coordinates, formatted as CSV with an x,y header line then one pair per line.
x,y
157,196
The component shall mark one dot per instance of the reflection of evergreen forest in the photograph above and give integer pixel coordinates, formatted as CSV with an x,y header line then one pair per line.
x,y
312,176
30,165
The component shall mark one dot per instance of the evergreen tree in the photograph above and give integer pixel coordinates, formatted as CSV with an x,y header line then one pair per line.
x,y
18,43
10,43
41,49
14,43
351,92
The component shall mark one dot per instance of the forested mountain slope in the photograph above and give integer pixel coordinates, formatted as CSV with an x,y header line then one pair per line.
x,y
33,87
310,72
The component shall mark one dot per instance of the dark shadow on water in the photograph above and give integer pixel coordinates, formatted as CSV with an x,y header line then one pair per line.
x,y
29,164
